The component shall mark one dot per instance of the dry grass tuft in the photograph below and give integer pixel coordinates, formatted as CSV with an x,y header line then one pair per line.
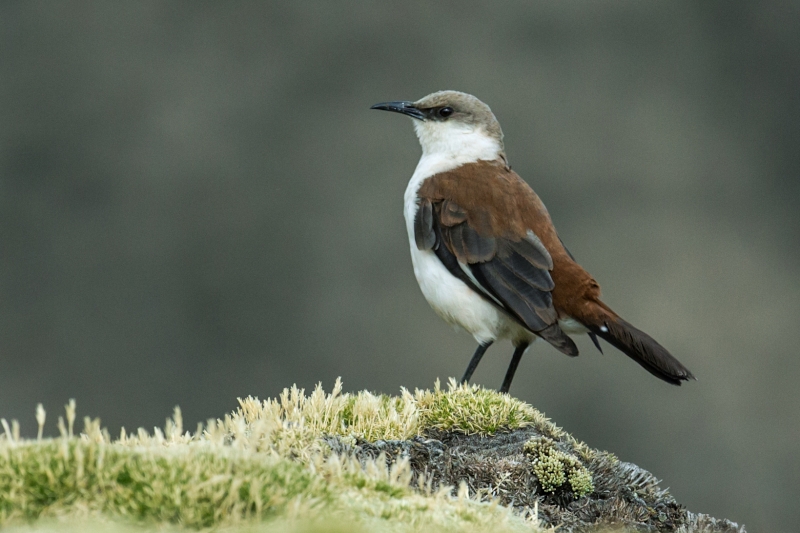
x,y
267,463
294,422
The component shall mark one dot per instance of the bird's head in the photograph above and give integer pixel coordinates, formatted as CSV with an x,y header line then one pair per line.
x,y
453,124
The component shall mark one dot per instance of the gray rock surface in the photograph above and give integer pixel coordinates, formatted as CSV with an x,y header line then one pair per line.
x,y
497,466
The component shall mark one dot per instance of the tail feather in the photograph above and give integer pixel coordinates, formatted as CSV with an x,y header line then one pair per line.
x,y
642,348
559,340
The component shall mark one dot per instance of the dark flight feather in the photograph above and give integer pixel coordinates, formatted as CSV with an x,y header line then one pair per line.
x,y
424,235
467,245
559,340
478,248
534,297
513,302
535,276
532,249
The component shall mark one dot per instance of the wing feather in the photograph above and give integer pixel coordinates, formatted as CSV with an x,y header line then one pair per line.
x,y
476,249
531,306
539,278
532,249
424,234
512,274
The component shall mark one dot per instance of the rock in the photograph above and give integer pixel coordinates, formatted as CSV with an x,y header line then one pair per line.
x,y
504,467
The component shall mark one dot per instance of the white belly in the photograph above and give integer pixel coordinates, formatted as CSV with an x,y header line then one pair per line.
x,y
455,302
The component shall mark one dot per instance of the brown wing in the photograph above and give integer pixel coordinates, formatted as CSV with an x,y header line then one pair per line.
x,y
506,262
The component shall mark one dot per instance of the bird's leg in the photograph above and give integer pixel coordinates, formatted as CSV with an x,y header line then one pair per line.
x,y
512,368
476,358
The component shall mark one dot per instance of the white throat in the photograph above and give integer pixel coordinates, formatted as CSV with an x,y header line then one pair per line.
x,y
455,140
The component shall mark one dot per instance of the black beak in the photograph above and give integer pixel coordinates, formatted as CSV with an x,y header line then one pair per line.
x,y
407,108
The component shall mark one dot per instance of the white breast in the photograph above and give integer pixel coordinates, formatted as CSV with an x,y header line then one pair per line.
x,y
451,298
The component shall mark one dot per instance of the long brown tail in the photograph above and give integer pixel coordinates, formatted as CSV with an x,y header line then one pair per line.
x,y
640,347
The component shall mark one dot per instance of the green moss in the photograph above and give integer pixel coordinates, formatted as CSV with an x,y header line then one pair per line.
x,y
191,485
267,461
553,467
472,409
580,479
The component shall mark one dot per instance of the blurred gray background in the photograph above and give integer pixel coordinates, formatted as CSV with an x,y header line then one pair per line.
x,y
196,203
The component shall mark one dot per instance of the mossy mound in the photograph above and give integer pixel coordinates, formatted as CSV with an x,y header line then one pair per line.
x,y
461,459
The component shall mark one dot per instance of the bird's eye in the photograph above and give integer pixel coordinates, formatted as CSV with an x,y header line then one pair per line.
x,y
445,112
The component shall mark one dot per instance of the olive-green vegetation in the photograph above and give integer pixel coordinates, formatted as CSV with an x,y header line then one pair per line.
x,y
461,459
553,467
266,465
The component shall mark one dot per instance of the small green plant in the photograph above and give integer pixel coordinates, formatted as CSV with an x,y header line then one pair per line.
x,y
553,467
472,409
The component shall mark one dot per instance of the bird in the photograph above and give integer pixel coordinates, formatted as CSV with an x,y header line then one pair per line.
x,y
486,254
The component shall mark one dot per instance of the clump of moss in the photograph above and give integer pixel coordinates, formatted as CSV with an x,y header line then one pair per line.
x,y
269,460
295,421
471,409
553,467
195,484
